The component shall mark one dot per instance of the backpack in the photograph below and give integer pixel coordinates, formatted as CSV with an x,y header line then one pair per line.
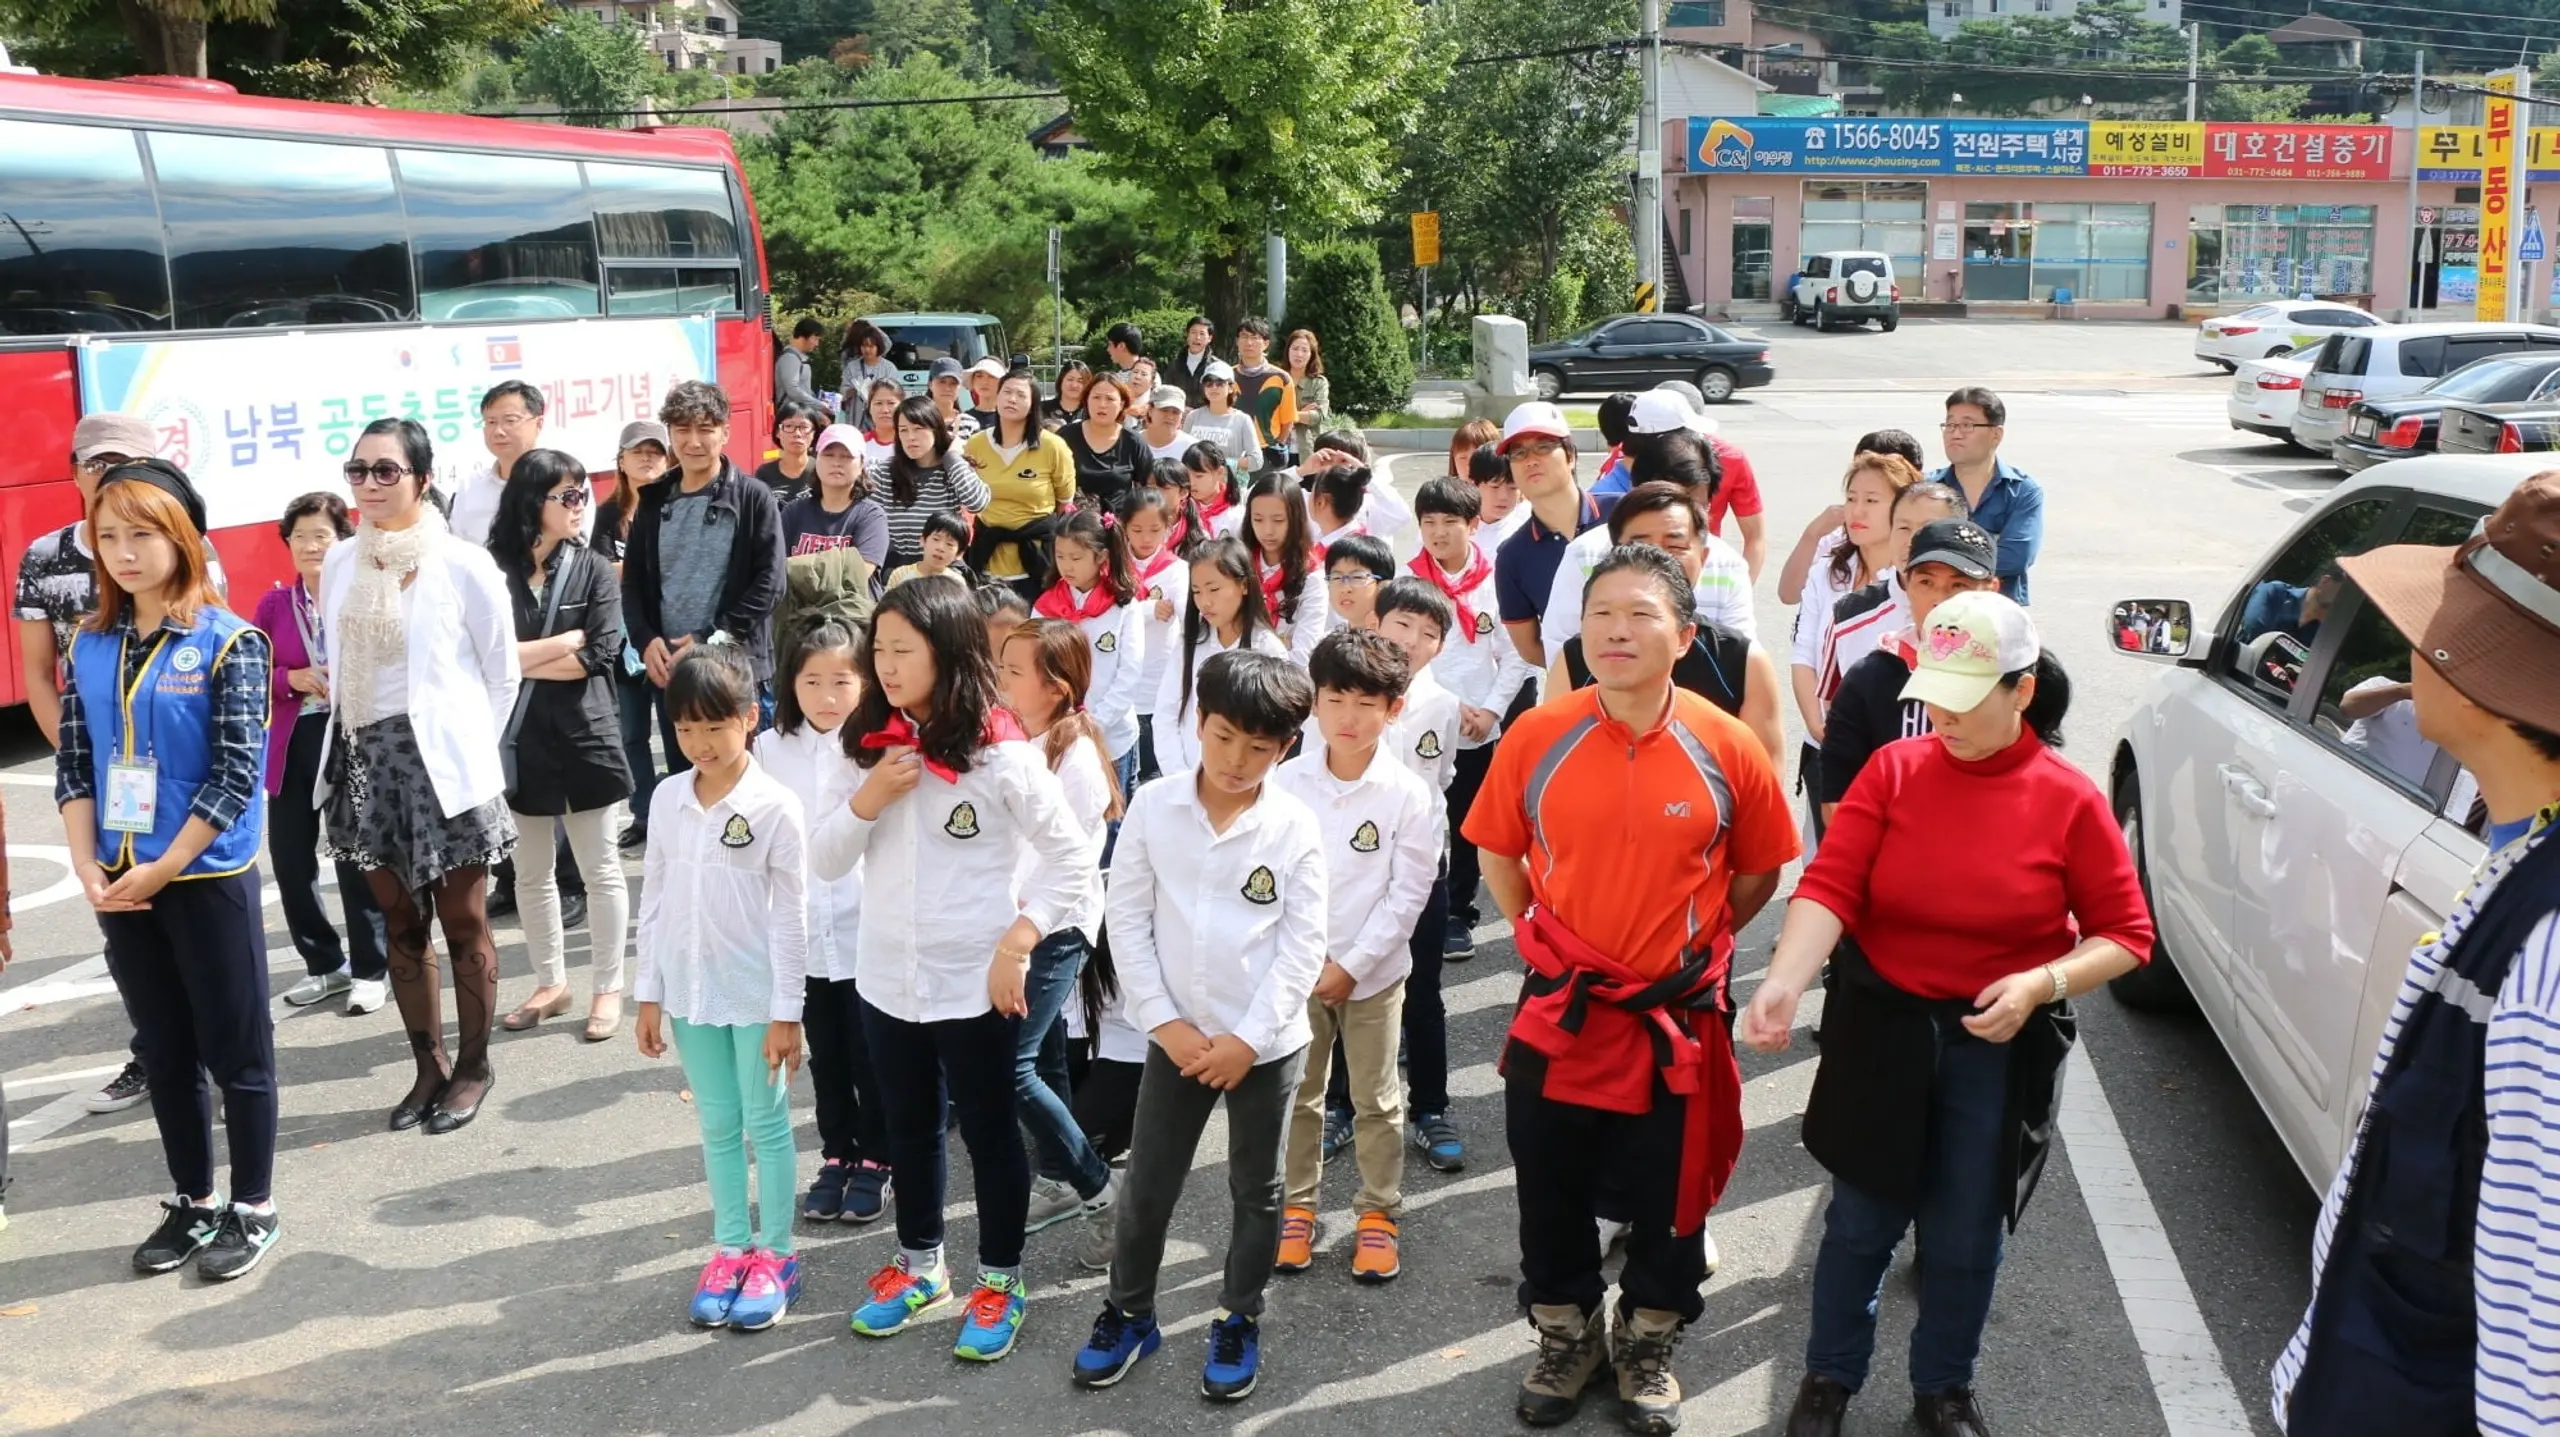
x,y
831,585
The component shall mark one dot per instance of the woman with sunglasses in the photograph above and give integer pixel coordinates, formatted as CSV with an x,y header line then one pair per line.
x,y
421,648
567,770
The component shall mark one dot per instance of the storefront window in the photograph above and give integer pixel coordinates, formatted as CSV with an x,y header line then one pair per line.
x,y
1998,242
1887,215
2022,252
2280,252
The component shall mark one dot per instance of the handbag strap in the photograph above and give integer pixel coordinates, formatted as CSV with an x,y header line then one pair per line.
x,y
550,615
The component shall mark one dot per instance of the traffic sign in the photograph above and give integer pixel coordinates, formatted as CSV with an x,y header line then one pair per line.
x,y
1644,297
2531,250
1426,237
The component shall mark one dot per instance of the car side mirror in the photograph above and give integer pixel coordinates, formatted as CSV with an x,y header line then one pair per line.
x,y
2161,629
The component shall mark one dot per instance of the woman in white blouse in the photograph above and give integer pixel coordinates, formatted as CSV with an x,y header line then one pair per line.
x,y
423,675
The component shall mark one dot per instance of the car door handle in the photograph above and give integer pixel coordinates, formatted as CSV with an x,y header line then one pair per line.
x,y
2251,795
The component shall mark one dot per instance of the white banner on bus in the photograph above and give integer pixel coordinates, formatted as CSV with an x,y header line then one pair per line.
x,y
259,418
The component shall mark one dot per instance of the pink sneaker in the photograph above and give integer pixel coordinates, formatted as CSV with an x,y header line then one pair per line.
x,y
722,1277
772,1285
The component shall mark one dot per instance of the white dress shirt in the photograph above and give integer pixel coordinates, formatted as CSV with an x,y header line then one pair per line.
x,y
1223,930
814,765
1486,672
458,686
1303,627
1086,786
724,916
475,506
1723,589
1161,636
1382,836
1117,641
1425,735
939,886
1489,537
1177,729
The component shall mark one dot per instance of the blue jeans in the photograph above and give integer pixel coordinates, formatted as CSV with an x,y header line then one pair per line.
x,y
1065,1154
1960,1212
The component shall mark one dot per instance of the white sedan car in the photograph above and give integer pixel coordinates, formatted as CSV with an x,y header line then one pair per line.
x,y
2278,327
2294,831
2264,394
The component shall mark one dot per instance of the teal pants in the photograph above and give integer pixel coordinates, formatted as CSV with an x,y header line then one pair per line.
x,y
739,1104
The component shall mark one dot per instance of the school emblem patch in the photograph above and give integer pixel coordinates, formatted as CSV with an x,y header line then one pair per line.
x,y
1484,624
1107,644
187,660
963,822
1261,887
735,833
1428,746
1364,839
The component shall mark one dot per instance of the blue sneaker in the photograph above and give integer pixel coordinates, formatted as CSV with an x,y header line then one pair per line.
x,y
718,1289
1118,1342
1337,1131
899,1297
1439,1141
772,1284
994,1319
1235,1358
866,1192
824,1202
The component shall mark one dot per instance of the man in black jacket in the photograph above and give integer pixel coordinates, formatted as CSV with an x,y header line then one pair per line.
x,y
704,563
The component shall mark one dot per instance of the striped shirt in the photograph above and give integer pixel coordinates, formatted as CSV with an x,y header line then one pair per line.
x,y
2516,1246
955,489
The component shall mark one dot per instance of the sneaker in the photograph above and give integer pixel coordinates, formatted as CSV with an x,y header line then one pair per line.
x,y
993,1320
1459,945
633,837
1648,1395
769,1286
866,1192
1337,1131
713,1296
1119,1341
824,1202
317,987
123,1091
573,911
1715,1255
1235,1357
1614,1232
367,995
1100,1205
185,1230
1297,1240
501,903
899,1297
1573,1348
1439,1141
238,1244
1102,1230
1052,1202
1374,1251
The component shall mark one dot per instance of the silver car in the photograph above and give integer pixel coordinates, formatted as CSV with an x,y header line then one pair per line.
x,y
2391,360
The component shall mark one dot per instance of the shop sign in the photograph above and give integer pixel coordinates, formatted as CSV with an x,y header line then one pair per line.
x,y
2497,197
2297,152
2450,155
2146,149
1761,145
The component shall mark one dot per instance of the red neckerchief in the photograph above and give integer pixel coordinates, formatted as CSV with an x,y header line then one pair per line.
x,y
1479,569
1060,601
1152,566
1214,507
1274,579
900,732
1174,536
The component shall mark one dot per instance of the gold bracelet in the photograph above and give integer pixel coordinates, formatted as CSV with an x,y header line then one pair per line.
x,y
2061,984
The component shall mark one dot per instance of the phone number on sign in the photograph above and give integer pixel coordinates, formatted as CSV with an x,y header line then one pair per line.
x,y
1884,137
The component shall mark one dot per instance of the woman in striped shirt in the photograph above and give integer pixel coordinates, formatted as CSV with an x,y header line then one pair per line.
x,y
926,475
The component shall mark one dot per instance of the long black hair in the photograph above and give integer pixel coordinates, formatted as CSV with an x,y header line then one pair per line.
x,y
1206,455
906,476
1172,484
1150,498
1228,555
826,636
517,528
1297,559
1085,526
2052,702
964,676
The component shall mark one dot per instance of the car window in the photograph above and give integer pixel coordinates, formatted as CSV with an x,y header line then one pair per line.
x,y
2365,708
2280,614
1652,332
917,346
2325,318
1865,264
2545,341
1819,268
2461,349
2346,354
2490,380
2423,357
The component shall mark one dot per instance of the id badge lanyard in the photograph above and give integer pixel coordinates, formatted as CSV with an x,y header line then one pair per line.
x,y
133,777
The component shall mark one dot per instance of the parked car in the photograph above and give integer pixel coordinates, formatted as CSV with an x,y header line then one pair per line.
x,y
917,340
2390,360
1639,351
2264,393
2274,329
2380,430
2529,426
2294,832
1846,286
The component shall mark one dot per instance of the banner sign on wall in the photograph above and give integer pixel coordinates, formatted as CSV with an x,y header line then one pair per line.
x,y
2135,149
2297,152
2450,155
2146,149
2497,197
257,419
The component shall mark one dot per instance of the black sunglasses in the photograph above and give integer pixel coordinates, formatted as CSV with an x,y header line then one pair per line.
x,y
382,473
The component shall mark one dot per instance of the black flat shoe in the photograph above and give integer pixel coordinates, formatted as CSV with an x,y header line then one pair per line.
x,y
414,1109
442,1119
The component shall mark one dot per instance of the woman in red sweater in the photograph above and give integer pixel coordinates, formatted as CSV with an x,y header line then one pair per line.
x,y
1944,1030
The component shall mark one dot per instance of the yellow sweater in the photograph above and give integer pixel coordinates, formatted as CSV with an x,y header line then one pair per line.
x,y
1039,480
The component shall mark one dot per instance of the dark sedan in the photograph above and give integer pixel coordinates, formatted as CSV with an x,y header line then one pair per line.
x,y
1639,351
2379,430
2528,427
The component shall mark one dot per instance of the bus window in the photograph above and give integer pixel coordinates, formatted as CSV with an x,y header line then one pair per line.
x,y
279,233
657,289
498,237
658,212
79,238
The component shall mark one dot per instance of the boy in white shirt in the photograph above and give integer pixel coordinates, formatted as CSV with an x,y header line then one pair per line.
x,y
1415,614
1382,855
1217,912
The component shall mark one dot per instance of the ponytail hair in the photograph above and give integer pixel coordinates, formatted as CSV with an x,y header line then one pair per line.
x,y
1344,490
1085,526
2052,698
1064,657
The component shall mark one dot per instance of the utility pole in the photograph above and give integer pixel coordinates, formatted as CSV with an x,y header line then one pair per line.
x,y
2417,122
2195,36
1275,261
1648,215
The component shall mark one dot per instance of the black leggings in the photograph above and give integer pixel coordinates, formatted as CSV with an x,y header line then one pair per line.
x,y
460,900
193,972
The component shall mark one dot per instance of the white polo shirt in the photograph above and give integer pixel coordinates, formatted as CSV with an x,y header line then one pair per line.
x,y
1382,836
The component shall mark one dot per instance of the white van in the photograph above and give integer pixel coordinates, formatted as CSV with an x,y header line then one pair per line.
x,y
2391,360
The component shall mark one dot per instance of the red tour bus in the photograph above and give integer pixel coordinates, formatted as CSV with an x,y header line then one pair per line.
x,y
261,278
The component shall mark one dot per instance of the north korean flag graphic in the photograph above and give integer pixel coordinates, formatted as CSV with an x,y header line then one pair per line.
x,y
506,352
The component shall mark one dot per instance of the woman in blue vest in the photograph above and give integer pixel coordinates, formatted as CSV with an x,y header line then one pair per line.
x,y
161,779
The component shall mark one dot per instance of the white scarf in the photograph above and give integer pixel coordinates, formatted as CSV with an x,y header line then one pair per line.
x,y
372,624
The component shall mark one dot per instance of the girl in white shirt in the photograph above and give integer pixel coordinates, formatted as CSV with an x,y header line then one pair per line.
x,y
1095,592
814,693
1851,557
723,953
1225,614
1213,487
970,859
1045,668
1159,585
1285,559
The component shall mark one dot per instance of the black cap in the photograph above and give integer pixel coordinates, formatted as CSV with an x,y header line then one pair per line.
x,y
1960,544
161,474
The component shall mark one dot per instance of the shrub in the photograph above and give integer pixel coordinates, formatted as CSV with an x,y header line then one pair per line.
x,y
1162,327
1340,293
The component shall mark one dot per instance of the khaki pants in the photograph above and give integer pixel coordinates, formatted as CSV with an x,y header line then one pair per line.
x,y
1368,1028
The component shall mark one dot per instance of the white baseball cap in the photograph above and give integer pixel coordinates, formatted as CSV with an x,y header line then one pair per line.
x,y
1662,411
1535,419
990,366
1969,643
1217,369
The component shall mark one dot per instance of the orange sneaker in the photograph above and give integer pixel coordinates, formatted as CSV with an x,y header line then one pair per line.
x,y
1297,1240
1374,1253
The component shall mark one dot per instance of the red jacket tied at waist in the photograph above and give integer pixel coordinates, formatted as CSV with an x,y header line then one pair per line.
x,y
1606,1030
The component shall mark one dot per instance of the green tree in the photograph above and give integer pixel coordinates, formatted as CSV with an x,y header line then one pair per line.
x,y
2247,58
597,73
945,29
1341,295
2105,51
804,27
1239,118
360,50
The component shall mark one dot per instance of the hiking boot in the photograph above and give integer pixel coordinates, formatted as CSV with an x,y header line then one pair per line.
x,y
1648,1395
1949,1414
1297,1240
1821,1406
1573,1349
1374,1249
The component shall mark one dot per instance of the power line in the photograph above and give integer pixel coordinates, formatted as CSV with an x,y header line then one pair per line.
x,y
778,107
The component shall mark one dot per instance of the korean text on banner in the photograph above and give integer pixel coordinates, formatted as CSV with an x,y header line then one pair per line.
x,y
2297,152
1426,237
2450,155
258,419
2146,149
2497,199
